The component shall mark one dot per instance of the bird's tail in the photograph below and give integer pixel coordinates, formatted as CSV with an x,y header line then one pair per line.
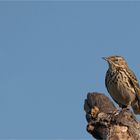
x,y
136,106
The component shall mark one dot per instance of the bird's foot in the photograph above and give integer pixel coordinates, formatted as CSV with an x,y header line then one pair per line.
x,y
116,112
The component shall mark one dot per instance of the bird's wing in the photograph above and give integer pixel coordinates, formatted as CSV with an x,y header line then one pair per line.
x,y
134,82
133,78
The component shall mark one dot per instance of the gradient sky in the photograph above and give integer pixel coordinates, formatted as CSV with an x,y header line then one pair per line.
x,y
50,57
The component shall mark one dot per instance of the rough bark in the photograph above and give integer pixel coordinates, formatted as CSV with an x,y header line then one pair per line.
x,y
106,122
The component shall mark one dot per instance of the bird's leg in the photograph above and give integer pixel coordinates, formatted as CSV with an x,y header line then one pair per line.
x,y
116,112
126,107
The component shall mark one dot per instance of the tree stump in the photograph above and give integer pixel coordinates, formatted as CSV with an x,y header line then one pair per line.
x,y
106,122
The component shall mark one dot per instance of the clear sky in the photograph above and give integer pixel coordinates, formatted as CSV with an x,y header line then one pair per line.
x,y
50,57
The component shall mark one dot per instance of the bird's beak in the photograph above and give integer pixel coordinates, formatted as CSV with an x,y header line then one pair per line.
x,y
105,58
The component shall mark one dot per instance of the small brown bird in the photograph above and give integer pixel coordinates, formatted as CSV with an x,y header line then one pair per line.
x,y
122,83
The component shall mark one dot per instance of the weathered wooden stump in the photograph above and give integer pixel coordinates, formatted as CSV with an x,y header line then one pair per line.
x,y
106,122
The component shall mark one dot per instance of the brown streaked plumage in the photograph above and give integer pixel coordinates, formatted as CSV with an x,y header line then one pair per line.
x,y
122,83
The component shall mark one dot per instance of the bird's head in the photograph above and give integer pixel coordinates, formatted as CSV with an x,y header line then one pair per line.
x,y
116,61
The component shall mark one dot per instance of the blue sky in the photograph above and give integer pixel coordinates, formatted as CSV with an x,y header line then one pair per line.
x,y
50,57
